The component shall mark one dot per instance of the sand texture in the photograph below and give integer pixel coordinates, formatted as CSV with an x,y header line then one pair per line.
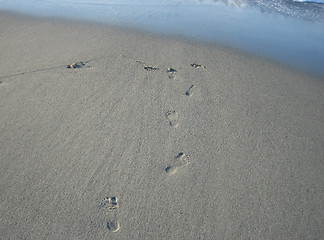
x,y
113,134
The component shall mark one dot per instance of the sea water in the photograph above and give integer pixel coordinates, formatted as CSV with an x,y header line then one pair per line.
x,y
288,31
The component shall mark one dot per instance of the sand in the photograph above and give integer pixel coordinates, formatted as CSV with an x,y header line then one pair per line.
x,y
101,139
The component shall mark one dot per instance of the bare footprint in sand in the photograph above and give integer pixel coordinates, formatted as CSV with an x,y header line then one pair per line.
x,y
173,118
171,72
180,161
76,65
147,67
150,68
79,65
195,65
190,91
110,205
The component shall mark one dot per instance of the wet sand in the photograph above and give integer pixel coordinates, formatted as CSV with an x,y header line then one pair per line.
x,y
108,133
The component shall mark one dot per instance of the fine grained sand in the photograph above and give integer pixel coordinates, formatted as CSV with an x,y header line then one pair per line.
x,y
118,146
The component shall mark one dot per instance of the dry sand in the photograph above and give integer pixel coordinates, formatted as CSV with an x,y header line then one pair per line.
x,y
116,146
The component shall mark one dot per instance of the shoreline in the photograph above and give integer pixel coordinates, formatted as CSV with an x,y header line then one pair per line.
x,y
296,43
111,133
165,37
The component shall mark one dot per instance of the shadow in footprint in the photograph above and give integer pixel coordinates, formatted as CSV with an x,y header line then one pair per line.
x,y
110,203
76,65
190,91
171,72
150,68
173,118
180,161
195,65
113,225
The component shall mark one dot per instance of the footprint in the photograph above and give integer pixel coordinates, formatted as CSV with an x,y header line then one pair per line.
x,y
150,68
180,161
173,118
171,72
110,203
76,65
195,65
146,67
113,225
110,206
190,91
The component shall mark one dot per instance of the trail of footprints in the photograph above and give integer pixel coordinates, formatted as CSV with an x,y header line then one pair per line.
x,y
182,159
110,205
